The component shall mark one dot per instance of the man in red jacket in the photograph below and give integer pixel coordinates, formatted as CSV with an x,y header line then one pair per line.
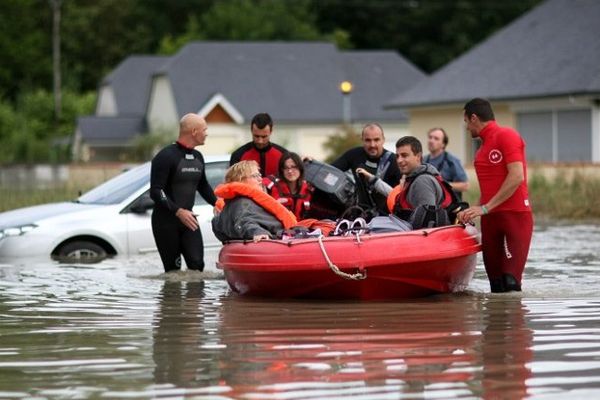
x,y
260,149
506,217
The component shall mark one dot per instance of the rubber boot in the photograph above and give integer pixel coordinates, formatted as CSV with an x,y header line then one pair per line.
x,y
510,283
497,285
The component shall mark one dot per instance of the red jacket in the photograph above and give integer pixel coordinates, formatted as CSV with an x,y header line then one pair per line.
x,y
298,203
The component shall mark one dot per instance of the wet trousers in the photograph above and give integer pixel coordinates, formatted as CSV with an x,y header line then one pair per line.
x,y
174,239
505,240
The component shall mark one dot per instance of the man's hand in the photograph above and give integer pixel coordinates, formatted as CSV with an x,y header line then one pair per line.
x,y
364,173
467,216
187,218
258,238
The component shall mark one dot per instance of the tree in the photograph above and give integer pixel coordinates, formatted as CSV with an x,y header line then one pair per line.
x,y
337,144
27,129
25,48
430,33
252,20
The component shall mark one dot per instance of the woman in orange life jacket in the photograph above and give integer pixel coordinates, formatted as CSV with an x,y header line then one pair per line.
x,y
290,188
244,211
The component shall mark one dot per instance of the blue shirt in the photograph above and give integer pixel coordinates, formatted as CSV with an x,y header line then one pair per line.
x,y
449,166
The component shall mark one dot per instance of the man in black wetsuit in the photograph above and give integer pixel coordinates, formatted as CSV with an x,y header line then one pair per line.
x,y
177,173
260,149
376,160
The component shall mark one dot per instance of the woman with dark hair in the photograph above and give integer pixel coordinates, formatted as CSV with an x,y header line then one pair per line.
x,y
289,187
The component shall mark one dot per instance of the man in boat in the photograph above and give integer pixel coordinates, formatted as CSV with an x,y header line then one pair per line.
x,y
260,149
376,160
245,210
177,172
447,164
421,197
506,216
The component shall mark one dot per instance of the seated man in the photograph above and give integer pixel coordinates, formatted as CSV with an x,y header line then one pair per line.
x,y
422,196
246,211
374,159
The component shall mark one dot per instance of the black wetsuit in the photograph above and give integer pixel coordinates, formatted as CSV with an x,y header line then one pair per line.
x,y
384,167
177,173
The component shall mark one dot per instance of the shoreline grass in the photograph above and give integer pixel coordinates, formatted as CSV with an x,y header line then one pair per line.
x,y
12,198
576,198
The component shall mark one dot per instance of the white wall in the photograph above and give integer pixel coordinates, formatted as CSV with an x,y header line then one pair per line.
x,y
162,112
106,105
305,140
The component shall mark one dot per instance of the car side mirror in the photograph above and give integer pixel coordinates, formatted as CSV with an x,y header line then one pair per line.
x,y
142,205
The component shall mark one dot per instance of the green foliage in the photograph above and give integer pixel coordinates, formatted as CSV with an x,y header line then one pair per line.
x,y
11,198
251,20
28,131
575,198
97,35
25,46
344,140
144,147
429,33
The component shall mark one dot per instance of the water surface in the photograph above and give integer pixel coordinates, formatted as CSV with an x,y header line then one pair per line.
x,y
121,329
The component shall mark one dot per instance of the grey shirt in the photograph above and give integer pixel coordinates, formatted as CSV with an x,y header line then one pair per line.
x,y
242,218
425,189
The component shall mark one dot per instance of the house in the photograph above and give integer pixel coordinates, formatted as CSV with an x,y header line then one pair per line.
x,y
542,75
120,111
229,82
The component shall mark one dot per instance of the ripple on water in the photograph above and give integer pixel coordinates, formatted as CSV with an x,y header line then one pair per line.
x,y
124,329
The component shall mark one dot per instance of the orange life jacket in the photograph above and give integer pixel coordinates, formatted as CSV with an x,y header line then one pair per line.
x,y
229,191
298,203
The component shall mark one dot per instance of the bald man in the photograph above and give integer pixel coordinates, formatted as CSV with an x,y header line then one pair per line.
x,y
176,174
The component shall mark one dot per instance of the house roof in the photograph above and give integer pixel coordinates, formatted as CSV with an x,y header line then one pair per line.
x,y
553,50
376,77
110,130
131,81
292,81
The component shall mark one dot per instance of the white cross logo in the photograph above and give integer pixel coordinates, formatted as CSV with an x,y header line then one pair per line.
x,y
495,156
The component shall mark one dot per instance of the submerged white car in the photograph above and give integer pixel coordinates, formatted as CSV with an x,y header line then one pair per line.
x,y
111,219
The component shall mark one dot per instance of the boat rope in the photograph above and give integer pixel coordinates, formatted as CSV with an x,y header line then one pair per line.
x,y
356,277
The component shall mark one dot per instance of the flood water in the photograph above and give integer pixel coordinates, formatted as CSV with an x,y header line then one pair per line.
x,y
121,329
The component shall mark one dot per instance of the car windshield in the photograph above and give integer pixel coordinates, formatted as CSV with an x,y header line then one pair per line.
x,y
215,173
119,188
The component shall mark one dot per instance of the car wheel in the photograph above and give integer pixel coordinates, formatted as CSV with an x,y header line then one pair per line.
x,y
81,251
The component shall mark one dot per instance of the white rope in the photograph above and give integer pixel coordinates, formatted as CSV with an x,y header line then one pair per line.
x,y
357,276
358,236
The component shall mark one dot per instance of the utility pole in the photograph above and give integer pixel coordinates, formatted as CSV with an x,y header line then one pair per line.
x,y
346,89
55,4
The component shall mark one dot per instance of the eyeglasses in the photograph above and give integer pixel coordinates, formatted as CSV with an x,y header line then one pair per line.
x,y
290,168
255,176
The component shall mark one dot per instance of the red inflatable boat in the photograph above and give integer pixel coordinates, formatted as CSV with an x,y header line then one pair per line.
x,y
363,267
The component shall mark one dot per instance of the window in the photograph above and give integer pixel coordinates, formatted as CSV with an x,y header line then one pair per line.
x,y
215,174
554,136
536,129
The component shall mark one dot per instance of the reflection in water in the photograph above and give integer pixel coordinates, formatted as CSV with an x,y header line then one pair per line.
x,y
119,330
259,349
506,348
181,325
